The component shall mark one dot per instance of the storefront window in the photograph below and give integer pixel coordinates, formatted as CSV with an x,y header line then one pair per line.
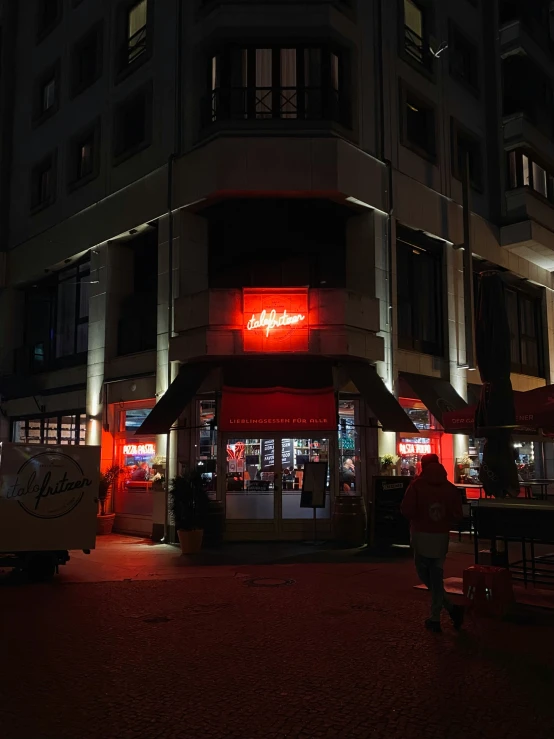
x,y
206,446
411,450
349,449
527,455
55,430
141,467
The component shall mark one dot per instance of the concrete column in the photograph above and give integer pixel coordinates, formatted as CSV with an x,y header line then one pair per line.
x,y
456,338
192,246
385,272
96,342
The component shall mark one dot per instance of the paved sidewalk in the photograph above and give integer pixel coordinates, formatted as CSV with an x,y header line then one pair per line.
x,y
282,651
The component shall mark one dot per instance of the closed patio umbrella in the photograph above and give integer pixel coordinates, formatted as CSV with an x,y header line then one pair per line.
x,y
495,416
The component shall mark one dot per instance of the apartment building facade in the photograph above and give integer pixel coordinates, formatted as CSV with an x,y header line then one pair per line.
x,y
244,222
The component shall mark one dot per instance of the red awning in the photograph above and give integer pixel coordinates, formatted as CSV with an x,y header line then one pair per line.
x,y
534,410
277,409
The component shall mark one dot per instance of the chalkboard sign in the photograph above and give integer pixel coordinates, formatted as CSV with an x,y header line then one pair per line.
x,y
388,525
314,483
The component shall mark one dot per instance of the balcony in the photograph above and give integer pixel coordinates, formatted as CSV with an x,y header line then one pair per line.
x,y
417,49
281,106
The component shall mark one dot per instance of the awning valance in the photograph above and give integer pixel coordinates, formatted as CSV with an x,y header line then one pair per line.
x,y
534,410
174,401
436,394
277,409
381,401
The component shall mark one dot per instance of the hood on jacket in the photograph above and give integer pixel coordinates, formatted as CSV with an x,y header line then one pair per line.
x,y
433,474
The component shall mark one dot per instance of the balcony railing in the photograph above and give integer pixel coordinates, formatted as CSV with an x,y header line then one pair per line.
x,y
135,45
276,103
417,48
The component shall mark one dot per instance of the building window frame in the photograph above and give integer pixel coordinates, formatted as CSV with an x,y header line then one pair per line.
x,y
121,150
51,76
411,245
45,24
521,339
474,146
524,170
468,78
44,183
77,439
415,47
90,135
409,99
127,60
247,82
93,37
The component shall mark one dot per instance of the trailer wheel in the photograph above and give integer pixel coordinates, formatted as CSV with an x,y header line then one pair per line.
x,y
40,567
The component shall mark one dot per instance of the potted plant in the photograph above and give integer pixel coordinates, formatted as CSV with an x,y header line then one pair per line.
x,y
387,463
189,506
105,521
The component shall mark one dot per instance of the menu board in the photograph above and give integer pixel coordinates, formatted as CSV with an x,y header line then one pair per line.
x,y
314,484
388,524
268,454
287,452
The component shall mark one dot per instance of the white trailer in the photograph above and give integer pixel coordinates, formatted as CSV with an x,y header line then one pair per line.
x,y
48,505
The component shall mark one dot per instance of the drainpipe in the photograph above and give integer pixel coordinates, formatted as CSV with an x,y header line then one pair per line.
x,y
170,165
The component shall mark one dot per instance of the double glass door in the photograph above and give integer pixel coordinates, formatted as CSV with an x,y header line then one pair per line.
x,y
263,480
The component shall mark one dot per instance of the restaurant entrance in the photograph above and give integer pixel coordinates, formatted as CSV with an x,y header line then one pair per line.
x,y
260,484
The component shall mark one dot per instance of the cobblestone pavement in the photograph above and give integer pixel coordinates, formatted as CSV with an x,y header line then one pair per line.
x,y
326,652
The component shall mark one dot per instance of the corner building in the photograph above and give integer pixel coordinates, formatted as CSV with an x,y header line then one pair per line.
x,y
240,230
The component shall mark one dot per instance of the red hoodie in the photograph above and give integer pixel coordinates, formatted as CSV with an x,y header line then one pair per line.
x,y
431,503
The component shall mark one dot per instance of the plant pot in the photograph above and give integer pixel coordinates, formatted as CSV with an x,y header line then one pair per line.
x,y
104,524
190,541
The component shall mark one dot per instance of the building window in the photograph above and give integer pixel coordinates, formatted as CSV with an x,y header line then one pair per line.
x,y
524,171
43,183
137,17
463,58
47,94
419,292
72,311
133,124
59,430
84,159
87,60
465,145
416,33
524,316
49,14
298,83
418,124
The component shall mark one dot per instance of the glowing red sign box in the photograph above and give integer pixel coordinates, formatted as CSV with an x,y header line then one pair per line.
x,y
275,320
139,450
406,448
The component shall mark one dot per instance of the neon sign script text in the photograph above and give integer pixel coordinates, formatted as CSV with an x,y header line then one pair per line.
x,y
139,450
271,320
414,448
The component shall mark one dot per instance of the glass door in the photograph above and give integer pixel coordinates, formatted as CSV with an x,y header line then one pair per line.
x,y
252,473
294,455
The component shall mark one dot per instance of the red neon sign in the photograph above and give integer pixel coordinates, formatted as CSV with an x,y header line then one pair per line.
x,y
405,448
272,320
275,320
139,450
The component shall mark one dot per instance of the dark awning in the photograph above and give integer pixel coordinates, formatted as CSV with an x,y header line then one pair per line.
x,y
382,402
437,395
473,393
176,398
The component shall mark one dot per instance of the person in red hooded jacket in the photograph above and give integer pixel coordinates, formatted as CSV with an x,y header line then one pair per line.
x,y
432,505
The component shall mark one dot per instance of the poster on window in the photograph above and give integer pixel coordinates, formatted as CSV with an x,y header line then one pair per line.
x,y
268,454
287,453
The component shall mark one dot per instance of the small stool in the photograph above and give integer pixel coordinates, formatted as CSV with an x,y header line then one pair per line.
x,y
488,590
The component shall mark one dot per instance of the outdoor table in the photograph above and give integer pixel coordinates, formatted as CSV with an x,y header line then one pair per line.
x,y
471,486
536,489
